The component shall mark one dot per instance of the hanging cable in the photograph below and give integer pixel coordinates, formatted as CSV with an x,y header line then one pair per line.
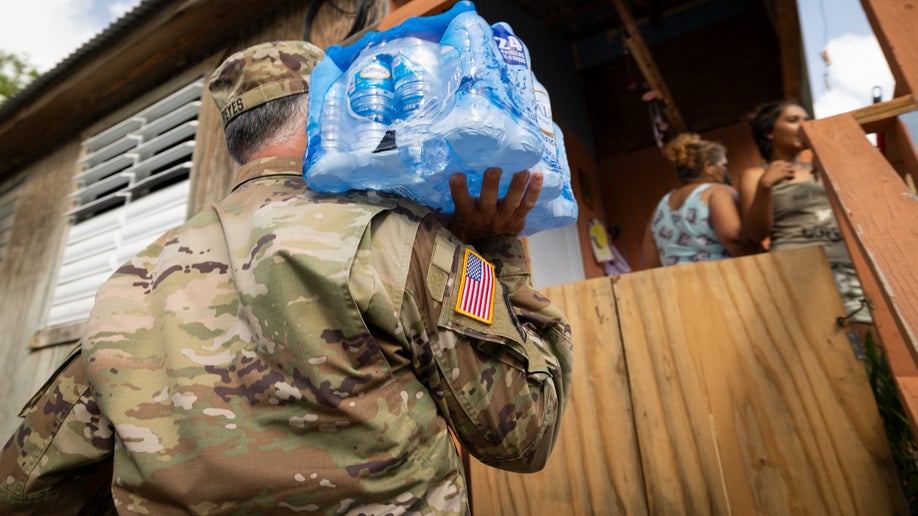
x,y
825,45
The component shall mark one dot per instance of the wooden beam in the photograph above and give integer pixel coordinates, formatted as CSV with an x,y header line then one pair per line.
x,y
788,32
873,118
894,25
881,216
648,67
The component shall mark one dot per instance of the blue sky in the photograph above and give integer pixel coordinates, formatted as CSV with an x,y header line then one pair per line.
x,y
47,31
857,63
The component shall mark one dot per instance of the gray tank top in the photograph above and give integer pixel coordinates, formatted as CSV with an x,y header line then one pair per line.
x,y
804,217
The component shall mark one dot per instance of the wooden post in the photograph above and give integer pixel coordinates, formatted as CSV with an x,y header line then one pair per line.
x,y
788,30
879,218
894,24
648,67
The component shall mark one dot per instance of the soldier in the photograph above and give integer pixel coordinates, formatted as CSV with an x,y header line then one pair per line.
x,y
287,350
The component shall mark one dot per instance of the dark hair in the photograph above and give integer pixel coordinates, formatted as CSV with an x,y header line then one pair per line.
x,y
763,121
689,153
255,128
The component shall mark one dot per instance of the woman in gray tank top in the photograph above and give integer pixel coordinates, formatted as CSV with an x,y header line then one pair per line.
x,y
785,200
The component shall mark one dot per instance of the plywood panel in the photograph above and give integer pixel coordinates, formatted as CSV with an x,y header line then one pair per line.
x,y
762,412
594,468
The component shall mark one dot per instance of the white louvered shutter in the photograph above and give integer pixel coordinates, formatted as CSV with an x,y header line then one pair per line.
x,y
8,197
133,186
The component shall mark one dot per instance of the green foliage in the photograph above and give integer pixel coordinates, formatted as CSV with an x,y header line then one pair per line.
x,y
898,430
15,74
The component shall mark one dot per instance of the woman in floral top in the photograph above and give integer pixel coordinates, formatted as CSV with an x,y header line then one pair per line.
x,y
699,220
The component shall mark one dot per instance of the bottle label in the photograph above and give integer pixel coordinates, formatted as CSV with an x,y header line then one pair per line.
x,y
510,46
373,74
543,112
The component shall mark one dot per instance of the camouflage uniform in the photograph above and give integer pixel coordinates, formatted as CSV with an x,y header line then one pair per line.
x,y
291,351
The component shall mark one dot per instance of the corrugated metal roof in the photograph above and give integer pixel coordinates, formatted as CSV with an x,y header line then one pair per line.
x,y
114,31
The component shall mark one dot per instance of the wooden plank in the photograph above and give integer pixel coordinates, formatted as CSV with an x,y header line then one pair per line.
x,y
893,23
875,117
789,41
648,67
884,216
741,379
64,334
595,467
678,449
899,148
413,8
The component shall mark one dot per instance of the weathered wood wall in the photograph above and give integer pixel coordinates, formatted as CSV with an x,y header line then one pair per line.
x,y
715,388
28,272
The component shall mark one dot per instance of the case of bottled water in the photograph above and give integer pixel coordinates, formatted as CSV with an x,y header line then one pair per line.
x,y
402,110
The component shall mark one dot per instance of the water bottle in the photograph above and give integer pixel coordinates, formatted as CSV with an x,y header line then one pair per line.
x,y
332,119
549,164
515,56
484,126
372,98
562,210
416,79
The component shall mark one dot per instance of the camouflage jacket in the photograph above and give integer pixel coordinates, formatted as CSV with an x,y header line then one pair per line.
x,y
291,351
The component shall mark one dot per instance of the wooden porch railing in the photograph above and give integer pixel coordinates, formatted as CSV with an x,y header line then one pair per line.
x,y
879,220
878,215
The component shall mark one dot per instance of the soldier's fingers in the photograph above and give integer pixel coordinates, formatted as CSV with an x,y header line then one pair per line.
x,y
515,192
458,188
533,190
490,183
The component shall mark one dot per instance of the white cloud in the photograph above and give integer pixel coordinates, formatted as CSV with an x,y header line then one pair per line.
x,y
47,31
857,66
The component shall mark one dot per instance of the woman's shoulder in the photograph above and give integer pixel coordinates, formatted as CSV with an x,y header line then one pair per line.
x,y
716,190
756,170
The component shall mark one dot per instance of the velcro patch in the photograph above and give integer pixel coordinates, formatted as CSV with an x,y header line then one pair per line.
x,y
476,289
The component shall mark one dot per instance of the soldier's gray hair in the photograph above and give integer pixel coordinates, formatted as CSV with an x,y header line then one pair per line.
x,y
272,122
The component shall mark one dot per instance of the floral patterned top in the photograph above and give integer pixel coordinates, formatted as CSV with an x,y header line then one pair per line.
x,y
685,235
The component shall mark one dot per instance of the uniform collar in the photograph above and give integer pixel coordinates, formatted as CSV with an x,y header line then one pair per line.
x,y
266,167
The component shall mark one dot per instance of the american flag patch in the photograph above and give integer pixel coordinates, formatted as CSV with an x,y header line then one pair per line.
x,y
476,289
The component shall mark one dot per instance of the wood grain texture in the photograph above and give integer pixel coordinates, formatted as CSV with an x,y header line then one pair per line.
x,y
594,468
873,199
28,272
893,22
742,381
715,388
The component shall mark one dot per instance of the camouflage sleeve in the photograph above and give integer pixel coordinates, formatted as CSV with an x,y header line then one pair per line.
x,y
59,460
502,385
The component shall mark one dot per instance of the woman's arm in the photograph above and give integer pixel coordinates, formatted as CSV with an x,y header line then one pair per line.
x,y
649,249
755,197
725,218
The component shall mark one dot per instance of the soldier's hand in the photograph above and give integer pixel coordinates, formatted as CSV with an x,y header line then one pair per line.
x,y
487,216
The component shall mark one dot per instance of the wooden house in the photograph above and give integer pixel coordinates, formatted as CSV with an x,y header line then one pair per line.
x,y
121,141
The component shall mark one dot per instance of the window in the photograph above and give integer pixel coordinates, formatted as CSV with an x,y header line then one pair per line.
x,y
133,186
